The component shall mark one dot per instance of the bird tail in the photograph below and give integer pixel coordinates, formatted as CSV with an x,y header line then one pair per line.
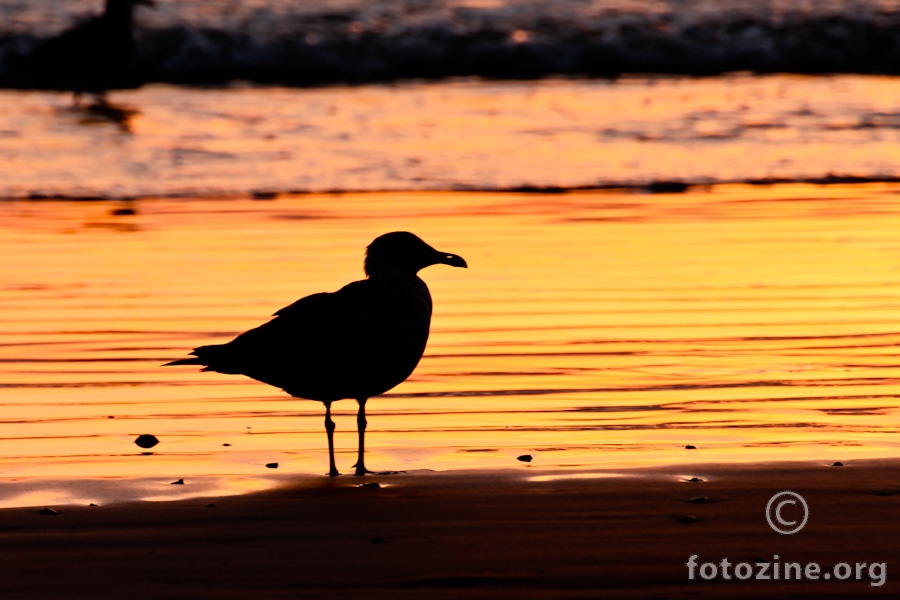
x,y
184,361
204,355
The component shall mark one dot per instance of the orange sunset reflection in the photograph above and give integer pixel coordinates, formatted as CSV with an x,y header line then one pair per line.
x,y
592,330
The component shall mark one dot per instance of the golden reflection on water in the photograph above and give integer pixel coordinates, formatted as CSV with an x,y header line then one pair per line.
x,y
591,330
452,134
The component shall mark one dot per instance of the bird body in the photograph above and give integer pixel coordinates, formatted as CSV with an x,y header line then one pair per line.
x,y
355,343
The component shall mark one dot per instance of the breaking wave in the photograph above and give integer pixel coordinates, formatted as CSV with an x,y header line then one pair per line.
x,y
273,42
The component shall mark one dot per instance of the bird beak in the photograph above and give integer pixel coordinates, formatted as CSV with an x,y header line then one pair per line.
x,y
453,260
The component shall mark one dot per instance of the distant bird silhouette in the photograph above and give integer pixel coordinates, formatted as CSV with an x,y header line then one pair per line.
x,y
91,58
355,343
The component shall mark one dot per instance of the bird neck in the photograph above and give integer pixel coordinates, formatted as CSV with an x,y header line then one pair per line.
x,y
120,12
377,268
383,273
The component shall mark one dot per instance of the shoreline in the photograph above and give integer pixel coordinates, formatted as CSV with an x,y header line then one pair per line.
x,y
115,490
471,533
652,186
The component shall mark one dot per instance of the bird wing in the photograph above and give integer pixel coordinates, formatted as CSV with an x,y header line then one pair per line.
x,y
350,302
314,336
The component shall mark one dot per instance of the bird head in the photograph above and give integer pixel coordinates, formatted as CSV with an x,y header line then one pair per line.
x,y
403,252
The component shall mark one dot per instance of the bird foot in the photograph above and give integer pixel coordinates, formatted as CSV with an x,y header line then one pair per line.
x,y
334,473
362,471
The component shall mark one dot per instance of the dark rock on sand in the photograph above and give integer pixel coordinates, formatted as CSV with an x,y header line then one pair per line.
x,y
695,480
146,440
837,464
179,482
699,500
690,447
49,512
668,187
525,458
271,465
374,484
688,519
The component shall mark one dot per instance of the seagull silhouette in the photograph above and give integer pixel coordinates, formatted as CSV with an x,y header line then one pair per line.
x,y
92,57
355,343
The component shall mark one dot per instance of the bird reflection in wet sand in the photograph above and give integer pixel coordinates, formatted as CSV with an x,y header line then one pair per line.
x,y
355,343
91,58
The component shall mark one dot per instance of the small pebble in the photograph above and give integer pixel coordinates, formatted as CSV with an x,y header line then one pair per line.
x,y
695,480
374,484
272,465
92,504
226,444
210,506
699,500
525,458
110,417
838,464
146,440
179,482
690,447
688,519
49,512
120,212
668,187
378,540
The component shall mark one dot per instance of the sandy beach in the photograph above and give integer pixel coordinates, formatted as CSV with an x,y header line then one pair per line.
x,y
520,533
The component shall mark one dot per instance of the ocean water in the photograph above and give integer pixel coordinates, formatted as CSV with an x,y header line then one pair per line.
x,y
658,259
551,134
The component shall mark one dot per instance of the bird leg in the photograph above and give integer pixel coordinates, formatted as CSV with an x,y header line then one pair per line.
x,y
361,428
329,429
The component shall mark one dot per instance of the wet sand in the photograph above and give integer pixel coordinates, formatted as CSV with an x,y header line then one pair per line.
x,y
759,324
498,534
